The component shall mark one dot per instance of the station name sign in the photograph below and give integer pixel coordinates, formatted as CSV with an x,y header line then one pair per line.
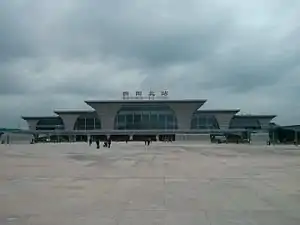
x,y
151,95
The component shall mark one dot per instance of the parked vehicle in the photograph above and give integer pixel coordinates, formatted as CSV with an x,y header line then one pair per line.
x,y
218,139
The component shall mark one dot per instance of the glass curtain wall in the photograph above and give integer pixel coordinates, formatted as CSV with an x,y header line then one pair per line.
x,y
52,123
87,122
204,122
244,123
145,117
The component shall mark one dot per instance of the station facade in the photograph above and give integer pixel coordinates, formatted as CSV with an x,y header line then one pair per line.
x,y
148,115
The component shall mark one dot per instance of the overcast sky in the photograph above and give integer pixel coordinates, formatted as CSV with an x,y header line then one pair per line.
x,y
236,54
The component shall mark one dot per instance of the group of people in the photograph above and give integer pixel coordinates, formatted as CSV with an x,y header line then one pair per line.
x,y
106,144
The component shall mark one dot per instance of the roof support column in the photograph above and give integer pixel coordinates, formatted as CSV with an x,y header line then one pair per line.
x,y
107,114
184,118
32,124
224,119
69,120
184,113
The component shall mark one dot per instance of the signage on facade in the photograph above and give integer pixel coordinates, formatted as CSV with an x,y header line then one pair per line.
x,y
164,93
151,95
139,94
125,94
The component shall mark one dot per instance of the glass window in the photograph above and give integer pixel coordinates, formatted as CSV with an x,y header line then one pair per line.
x,y
161,122
53,123
161,118
97,124
89,123
137,118
146,116
194,123
153,118
121,118
129,119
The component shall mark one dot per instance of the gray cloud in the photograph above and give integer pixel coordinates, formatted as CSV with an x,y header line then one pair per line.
x,y
15,40
58,53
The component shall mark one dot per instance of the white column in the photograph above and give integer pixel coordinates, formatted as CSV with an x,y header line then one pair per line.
x,y
69,120
107,113
184,113
224,119
32,124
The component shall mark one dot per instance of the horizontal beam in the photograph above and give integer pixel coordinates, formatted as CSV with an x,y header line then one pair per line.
x,y
130,132
217,111
59,112
145,101
256,116
38,117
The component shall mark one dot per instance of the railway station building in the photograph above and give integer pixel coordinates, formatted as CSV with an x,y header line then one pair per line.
x,y
148,116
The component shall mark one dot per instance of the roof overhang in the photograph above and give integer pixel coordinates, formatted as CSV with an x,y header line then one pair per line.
x,y
270,117
218,111
110,106
73,112
291,127
139,101
38,117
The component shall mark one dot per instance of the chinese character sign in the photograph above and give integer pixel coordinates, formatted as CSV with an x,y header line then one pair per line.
x,y
164,93
125,94
138,94
151,94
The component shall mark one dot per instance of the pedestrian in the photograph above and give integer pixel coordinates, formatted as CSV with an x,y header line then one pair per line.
x,y
109,143
98,143
90,141
7,139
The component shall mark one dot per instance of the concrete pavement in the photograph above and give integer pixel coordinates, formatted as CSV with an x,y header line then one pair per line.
x,y
166,183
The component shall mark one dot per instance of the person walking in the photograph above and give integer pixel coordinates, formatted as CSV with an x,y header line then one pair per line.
x,y
148,142
98,143
90,141
109,143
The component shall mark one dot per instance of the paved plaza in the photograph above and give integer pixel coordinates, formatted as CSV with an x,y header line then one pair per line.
x,y
166,183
